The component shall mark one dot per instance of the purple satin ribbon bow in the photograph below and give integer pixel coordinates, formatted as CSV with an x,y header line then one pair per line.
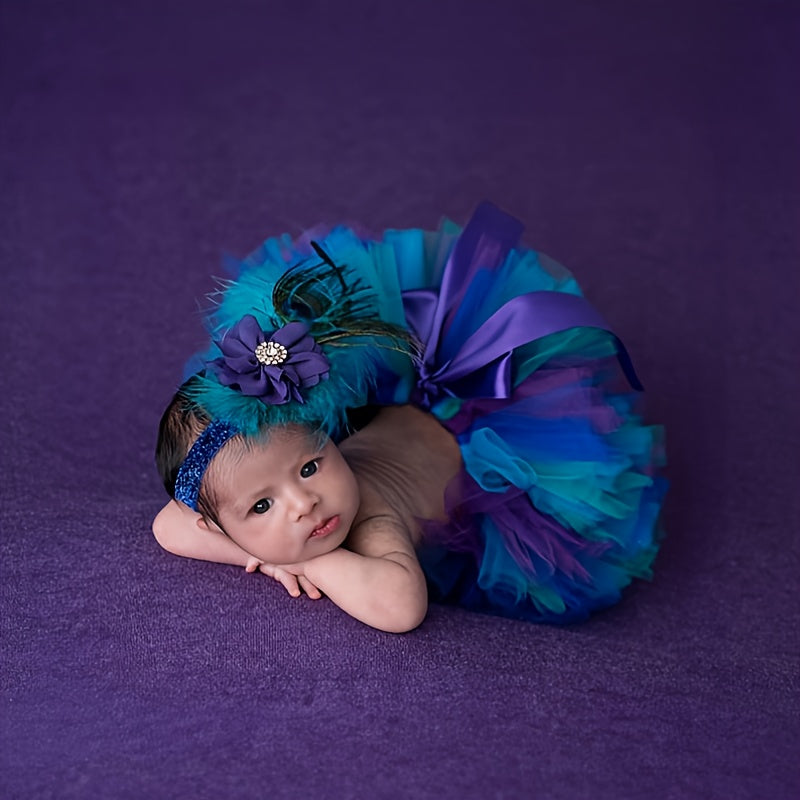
x,y
482,365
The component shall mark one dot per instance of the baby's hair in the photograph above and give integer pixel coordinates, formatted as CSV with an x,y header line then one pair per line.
x,y
181,424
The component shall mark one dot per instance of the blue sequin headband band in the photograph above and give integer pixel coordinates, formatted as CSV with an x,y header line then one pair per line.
x,y
190,473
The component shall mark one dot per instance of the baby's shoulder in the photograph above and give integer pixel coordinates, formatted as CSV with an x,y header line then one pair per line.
x,y
405,436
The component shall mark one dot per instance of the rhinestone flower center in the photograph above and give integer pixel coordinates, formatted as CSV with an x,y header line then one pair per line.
x,y
271,353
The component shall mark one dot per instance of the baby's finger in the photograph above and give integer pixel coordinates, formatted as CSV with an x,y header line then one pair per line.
x,y
252,564
309,588
289,582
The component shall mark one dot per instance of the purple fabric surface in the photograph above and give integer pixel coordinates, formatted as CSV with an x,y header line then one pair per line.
x,y
651,147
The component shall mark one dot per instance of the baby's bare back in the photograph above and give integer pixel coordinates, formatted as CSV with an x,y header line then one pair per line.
x,y
406,456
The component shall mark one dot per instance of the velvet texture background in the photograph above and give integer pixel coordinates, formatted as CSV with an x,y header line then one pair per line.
x,y
651,147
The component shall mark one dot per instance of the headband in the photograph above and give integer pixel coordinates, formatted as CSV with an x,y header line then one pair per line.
x,y
194,466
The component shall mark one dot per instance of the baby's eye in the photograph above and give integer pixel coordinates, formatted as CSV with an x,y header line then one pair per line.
x,y
262,506
307,470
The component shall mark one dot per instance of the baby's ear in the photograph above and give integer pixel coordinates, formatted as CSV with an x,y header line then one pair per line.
x,y
209,525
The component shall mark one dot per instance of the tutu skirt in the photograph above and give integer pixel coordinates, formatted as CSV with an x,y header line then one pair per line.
x,y
556,506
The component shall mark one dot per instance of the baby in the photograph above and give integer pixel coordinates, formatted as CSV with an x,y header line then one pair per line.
x,y
318,518
507,468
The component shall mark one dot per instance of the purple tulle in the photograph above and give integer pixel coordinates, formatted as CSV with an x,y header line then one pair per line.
x,y
539,545
299,361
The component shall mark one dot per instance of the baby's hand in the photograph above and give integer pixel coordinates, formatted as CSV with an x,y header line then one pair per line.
x,y
294,584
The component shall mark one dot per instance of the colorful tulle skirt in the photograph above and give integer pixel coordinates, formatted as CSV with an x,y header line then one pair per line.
x,y
556,507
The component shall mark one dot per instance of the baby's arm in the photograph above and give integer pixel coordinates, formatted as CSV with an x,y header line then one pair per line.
x,y
184,532
377,579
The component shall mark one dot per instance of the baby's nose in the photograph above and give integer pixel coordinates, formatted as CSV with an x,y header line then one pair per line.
x,y
303,502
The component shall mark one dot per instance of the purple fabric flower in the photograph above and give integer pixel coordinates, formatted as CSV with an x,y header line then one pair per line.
x,y
273,367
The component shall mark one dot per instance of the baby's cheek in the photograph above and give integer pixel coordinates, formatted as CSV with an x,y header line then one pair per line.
x,y
275,555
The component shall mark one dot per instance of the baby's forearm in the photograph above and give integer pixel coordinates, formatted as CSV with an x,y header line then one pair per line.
x,y
177,530
386,592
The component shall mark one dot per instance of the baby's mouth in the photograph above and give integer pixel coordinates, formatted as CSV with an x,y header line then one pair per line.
x,y
328,526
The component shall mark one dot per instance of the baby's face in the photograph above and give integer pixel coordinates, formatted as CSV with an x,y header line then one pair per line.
x,y
287,500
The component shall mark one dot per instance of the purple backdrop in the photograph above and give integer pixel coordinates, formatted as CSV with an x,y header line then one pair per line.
x,y
650,146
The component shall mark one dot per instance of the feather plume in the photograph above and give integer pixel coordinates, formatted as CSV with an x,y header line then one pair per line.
x,y
340,309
